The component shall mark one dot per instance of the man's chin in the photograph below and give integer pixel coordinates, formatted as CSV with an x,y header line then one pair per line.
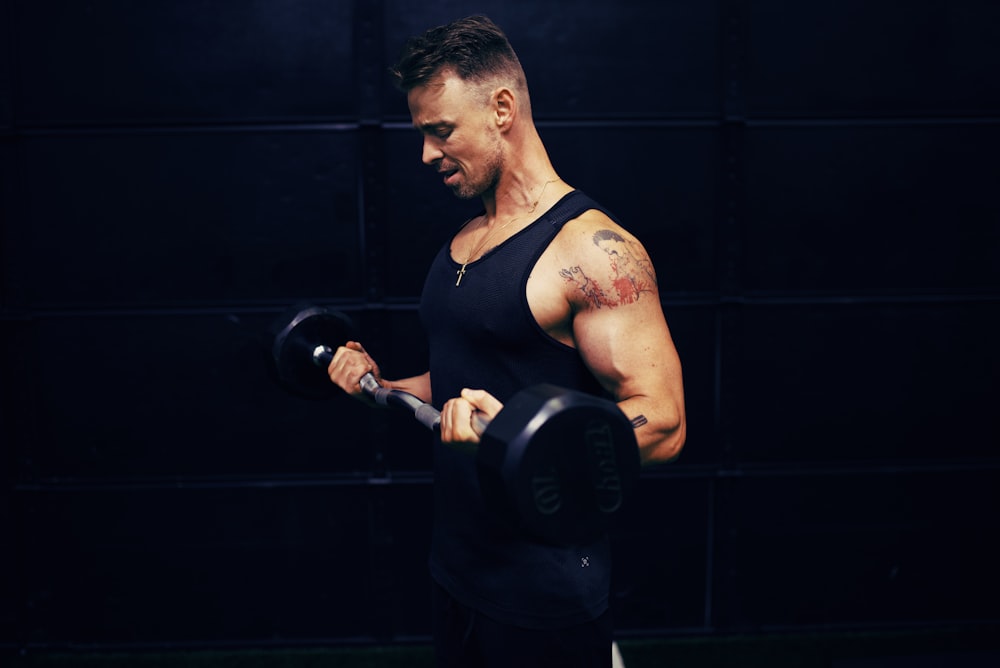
x,y
462,192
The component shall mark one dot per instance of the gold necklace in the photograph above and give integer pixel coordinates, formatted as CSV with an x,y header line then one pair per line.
x,y
461,272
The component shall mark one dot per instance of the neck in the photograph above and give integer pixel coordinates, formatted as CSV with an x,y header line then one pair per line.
x,y
522,196
527,180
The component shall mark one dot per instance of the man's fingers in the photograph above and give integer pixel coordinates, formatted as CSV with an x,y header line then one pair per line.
x,y
457,415
456,422
483,401
350,362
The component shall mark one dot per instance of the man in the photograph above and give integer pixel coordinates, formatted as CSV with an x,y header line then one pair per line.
x,y
543,286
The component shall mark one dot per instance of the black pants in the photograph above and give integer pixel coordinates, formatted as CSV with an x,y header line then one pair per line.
x,y
464,638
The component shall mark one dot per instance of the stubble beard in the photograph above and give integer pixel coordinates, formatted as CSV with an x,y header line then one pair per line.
x,y
489,181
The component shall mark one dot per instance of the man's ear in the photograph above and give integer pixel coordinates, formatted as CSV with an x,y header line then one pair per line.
x,y
504,108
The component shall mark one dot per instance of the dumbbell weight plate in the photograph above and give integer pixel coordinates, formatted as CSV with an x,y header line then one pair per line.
x,y
581,464
296,335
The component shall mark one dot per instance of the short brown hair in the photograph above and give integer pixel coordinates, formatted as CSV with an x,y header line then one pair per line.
x,y
475,48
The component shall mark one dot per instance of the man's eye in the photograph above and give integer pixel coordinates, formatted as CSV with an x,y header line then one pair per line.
x,y
442,133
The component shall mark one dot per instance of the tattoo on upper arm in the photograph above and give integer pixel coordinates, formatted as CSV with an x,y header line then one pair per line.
x,y
631,272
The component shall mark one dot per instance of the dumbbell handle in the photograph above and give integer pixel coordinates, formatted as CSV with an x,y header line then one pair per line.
x,y
425,414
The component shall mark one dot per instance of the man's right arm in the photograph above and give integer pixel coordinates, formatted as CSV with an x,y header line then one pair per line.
x,y
351,361
418,386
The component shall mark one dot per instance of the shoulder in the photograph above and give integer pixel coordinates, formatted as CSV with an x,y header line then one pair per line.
x,y
603,264
590,228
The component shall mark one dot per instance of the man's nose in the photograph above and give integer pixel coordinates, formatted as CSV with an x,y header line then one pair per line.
x,y
431,153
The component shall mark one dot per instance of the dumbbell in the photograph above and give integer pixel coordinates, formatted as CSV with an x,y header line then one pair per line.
x,y
555,463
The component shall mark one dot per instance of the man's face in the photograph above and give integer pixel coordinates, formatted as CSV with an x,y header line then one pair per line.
x,y
612,244
460,140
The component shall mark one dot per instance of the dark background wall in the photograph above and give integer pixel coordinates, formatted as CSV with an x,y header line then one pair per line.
x,y
816,182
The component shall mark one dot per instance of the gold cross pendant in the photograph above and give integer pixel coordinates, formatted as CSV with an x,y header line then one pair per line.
x,y
461,274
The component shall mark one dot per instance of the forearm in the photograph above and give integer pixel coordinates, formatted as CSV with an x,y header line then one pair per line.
x,y
418,386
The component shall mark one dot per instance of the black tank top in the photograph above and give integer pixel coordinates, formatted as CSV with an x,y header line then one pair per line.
x,y
482,335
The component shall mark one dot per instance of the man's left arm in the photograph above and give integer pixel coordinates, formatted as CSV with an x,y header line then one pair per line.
x,y
621,332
